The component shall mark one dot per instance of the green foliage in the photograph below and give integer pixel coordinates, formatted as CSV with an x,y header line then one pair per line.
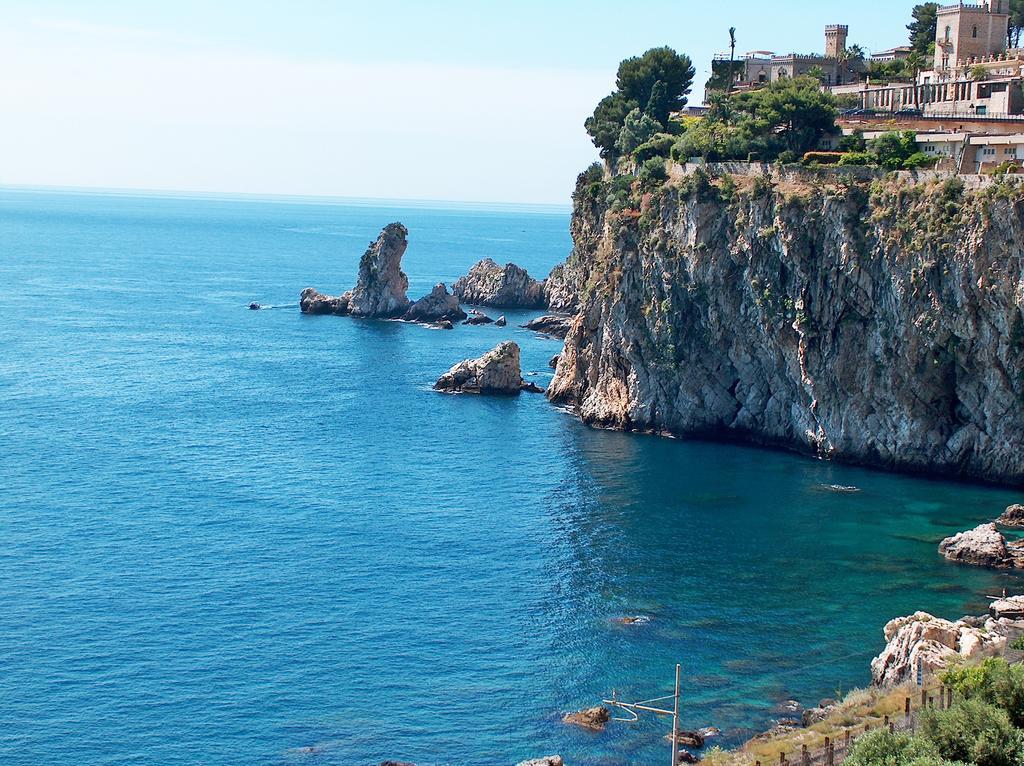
x,y
637,129
883,748
788,117
889,71
1016,336
590,183
994,681
892,150
975,732
853,143
652,172
727,188
822,158
857,158
656,83
723,73
1016,26
659,146
924,27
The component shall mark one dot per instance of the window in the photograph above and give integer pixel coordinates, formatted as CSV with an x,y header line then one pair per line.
x,y
974,34
929,147
949,33
1010,151
988,151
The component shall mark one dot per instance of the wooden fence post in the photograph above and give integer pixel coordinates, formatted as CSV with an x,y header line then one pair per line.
x,y
830,756
847,740
942,698
906,707
949,697
805,756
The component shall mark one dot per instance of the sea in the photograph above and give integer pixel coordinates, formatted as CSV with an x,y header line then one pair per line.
x,y
241,538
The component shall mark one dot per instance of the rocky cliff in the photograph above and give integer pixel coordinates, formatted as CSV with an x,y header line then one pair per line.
x,y
872,321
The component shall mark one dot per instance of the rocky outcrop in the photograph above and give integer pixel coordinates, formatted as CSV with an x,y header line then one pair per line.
x,y
595,718
1012,517
880,324
508,286
551,760
477,319
380,291
313,302
496,372
439,306
935,643
984,546
555,326
1009,608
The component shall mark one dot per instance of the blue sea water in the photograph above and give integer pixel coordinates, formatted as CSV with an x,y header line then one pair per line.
x,y
233,537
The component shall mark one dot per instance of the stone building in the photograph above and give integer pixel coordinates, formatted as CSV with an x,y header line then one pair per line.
x,y
969,32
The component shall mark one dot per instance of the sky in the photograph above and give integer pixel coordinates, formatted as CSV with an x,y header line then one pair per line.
x,y
392,99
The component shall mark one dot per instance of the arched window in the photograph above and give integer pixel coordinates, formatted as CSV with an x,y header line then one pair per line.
x,y
975,33
949,33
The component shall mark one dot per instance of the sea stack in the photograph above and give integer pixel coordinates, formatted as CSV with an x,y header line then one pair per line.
x,y
381,289
438,306
496,372
508,286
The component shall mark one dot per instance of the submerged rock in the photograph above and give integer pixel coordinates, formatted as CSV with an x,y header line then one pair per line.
x,y
380,291
685,756
313,302
254,306
594,718
551,760
1012,517
508,286
439,305
500,321
983,546
479,318
555,326
689,738
936,643
496,372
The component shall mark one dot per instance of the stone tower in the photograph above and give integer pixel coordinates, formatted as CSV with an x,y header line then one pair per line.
x,y
968,32
835,39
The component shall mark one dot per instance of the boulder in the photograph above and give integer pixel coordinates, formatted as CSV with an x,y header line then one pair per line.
x,y
551,760
685,756
444,324
500,321
1009,608
936,643
595,718
254,306
478,318
553,362
983,546
555,326
313,302
496,372
380,291
439,305
688,738
508,286
1012,517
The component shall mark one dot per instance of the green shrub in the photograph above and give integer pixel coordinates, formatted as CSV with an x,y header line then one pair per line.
x,y
856,158
994,681
882,748
822,158
1015,338
652,172
659,146
974,732
919,160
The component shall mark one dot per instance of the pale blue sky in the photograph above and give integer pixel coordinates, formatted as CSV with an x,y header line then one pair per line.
x,y
446,99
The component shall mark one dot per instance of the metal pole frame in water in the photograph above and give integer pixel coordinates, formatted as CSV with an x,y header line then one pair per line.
x,y
645,706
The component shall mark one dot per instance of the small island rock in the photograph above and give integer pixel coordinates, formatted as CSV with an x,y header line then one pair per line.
x,y
313,302
380,291
439,305
551,760
1013,517
555,326
479,318
594,718
500,321
508,286
496,372
983,546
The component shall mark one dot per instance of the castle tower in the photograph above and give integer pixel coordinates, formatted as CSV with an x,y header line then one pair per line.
x,y
966,32
836,36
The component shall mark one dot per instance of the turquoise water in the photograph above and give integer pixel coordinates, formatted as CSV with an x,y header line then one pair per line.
x,y
234,537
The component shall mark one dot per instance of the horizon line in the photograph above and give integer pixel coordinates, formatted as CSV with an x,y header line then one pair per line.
x,y
323,199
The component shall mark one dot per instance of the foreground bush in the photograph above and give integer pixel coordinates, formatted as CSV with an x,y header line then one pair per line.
x,y
975,732
994,681
881,748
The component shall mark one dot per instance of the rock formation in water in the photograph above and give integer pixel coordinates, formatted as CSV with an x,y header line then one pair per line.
x,y
508,286
984,546
594,718
1012,517
477,318
313,302
439,305
496,372
555,326
879,323
551,760
380,291
937,643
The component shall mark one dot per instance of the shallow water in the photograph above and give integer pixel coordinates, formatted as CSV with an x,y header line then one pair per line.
x,y
235,537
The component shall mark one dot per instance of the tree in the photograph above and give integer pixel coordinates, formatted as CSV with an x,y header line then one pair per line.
x,y
915,63
924,27
638,128
892,150
657,82
791,114
1016,23
732,58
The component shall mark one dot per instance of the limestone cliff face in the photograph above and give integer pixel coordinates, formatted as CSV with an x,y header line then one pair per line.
x,y
873,322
